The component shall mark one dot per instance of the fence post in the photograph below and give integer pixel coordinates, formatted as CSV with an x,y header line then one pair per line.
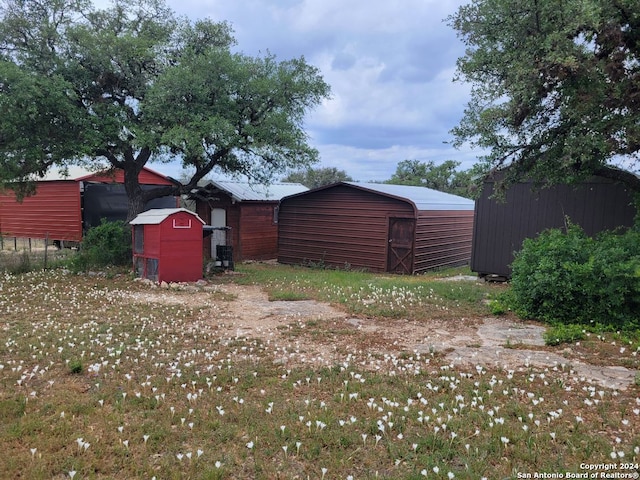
x,y
46,247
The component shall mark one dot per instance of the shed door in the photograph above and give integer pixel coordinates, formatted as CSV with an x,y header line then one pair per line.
x,y
218,237
400,252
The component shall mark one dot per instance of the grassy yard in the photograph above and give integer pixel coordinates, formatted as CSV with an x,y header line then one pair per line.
x,y
94,385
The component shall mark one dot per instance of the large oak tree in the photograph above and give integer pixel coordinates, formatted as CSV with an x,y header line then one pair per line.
x,y
556,86
134,83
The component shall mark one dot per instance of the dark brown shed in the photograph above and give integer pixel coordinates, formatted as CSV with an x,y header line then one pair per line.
x,y
501,225
377,227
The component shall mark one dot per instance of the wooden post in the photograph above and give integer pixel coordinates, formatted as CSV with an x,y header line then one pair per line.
x,y
15,243
29,244
46,246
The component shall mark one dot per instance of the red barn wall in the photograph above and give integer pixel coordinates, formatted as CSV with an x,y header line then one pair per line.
x,y
342,225
53,212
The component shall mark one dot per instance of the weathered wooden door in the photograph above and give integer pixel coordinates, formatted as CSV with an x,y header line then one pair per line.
x,y
400,251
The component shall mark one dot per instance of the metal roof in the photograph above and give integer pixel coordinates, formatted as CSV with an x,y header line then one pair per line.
x,y
79,173
244,191
423,198
156,216
73,172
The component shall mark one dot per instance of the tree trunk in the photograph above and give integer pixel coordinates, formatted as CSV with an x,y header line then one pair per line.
x,y
135,195
136,204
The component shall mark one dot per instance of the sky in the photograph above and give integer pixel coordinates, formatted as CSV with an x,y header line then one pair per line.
x,y
390,65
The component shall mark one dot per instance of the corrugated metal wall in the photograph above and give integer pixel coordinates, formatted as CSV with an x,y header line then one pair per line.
x,y
258,234
253,236
501,227
337,226
54,212
443,239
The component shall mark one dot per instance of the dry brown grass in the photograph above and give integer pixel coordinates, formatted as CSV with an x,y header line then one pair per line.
x,y
163,391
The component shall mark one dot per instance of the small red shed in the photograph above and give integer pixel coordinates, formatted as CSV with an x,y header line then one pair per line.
x,y
167,245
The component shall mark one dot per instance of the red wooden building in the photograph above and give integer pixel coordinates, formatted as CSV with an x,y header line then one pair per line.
x,y
377,227
64,207
167,245
244,215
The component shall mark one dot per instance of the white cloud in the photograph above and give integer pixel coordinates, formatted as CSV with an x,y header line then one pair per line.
x,y
390,64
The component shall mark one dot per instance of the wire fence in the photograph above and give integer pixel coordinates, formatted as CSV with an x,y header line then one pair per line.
x,y
26,254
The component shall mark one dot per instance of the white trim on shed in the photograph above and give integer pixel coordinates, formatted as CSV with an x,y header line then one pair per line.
x,y
156,216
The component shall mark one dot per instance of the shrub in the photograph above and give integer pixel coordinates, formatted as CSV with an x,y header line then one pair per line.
x,y
561,333
105,245
569,277
75,366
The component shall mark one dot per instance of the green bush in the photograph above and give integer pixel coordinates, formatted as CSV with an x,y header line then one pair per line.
x,y
75,366
106,245
569,277
561,333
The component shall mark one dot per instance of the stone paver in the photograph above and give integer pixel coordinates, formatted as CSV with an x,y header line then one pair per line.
x,y
491,347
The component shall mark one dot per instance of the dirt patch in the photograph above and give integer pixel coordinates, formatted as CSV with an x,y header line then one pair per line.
x,y
312,332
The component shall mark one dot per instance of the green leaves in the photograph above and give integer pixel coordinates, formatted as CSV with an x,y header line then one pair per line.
x,y
40,125
133,79
318,177
236,112
554,84
568,277
443,177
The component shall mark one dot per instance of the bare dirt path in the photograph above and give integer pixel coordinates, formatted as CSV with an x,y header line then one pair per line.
x,y
311,332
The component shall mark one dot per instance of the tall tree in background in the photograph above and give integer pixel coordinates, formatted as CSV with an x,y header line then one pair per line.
x,y
444,177
132,84
318,177
556,86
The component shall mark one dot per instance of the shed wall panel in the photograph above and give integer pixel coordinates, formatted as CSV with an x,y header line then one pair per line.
x,y
258,235
53,212
152,240
180,242
443,239
500,227
338,226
